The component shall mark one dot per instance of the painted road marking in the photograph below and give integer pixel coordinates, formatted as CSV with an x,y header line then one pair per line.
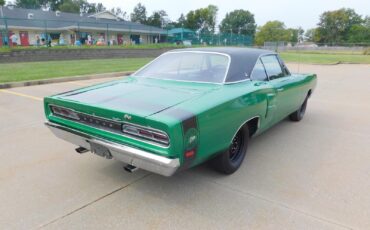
x,y
76,83
21,94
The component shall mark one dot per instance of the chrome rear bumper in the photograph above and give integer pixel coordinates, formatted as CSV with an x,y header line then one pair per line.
x,y
136,157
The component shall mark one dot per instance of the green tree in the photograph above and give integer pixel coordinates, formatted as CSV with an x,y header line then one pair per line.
x,y
119,12
70,6
88,8
202,20
181,21
177,24
54,4
300,34
100,7
335,26
31,4
73,6
367,22
239,22
2,3
158,19
272,31
311,35
359,34
139,14
296,35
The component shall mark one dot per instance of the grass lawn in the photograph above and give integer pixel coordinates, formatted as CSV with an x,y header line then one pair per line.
x,y
5,49
317,58
26,71
11,72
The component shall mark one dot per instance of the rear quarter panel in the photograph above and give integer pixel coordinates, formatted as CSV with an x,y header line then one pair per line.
x,y
219,114
305,84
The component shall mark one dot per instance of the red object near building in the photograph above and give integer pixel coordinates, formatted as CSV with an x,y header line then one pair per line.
x,y
119,39
24,38
1,39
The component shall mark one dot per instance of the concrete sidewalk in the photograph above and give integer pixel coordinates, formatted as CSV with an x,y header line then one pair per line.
x,y
314,174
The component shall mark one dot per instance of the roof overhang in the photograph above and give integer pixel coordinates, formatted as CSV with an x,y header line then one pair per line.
x,y
105,12
75,28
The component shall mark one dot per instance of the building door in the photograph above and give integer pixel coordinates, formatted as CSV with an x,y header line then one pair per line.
x,y
1,38
10,33
135,38
119,39
72,38
24,38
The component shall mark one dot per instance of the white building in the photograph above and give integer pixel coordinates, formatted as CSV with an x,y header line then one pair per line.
x,y
66,28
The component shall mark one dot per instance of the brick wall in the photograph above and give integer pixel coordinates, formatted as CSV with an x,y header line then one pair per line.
x,y
76,54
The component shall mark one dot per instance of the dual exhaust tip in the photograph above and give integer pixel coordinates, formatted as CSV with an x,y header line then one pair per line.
x,y
128,168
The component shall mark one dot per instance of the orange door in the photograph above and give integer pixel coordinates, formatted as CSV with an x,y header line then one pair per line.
x,y
24,38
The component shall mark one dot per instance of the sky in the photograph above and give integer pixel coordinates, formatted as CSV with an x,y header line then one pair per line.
x,y
304,13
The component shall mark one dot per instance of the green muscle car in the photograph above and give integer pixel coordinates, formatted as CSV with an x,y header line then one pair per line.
x,y
184,108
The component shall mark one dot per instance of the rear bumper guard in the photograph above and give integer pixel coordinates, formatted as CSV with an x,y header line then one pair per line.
x,y
133,156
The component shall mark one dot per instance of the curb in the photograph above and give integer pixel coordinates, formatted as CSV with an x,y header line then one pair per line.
x,y
62,79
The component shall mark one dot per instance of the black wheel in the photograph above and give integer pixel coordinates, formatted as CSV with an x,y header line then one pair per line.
x,y
298,115
230,160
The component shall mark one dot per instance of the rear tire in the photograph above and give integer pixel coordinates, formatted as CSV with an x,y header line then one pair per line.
x,y
230,160
299,114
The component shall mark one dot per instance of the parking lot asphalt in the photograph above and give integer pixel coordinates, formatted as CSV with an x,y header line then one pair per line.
x,y
314,174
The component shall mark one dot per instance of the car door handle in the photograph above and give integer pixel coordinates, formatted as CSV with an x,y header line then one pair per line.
x,y
280,89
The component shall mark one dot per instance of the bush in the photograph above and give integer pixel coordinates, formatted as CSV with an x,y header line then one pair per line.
x,y
367,51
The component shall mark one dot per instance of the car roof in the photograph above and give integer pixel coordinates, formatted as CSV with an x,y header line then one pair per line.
x,y
241,63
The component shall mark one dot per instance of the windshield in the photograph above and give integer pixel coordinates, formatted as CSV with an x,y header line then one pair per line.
x,y
188,66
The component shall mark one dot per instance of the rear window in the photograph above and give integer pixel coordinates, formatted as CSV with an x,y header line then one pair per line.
x,y
188,66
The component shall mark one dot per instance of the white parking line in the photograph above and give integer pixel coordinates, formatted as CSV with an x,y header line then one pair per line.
x,y
21,95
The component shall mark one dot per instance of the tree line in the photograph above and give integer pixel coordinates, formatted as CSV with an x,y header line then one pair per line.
x,y
334,27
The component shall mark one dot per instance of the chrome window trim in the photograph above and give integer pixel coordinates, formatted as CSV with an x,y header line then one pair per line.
x,y
121,123
254,67
259,58
235,82
190,51
277,58
283,66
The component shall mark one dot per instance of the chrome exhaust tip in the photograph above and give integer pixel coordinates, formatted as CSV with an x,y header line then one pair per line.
x,y
81,150
130,168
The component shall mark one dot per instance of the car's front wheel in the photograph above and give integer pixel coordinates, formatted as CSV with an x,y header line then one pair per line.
x,y
230,160
298,115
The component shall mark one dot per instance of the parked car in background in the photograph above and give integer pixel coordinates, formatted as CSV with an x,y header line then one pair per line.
x,y
186,107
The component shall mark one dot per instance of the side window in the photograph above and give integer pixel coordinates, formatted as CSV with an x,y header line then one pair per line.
x,y
259,73
272,66
285,68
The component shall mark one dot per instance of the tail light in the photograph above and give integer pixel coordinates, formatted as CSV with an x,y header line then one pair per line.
x,y
64,112
147,134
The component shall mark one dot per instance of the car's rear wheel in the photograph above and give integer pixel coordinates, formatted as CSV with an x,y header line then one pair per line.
x,y
230,160
299,114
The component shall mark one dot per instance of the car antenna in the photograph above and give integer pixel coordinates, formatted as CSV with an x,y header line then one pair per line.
x,y
299,60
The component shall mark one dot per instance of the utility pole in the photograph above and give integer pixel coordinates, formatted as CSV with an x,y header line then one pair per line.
x,y
182,31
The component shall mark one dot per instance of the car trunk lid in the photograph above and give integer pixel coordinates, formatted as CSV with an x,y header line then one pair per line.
x,y
133,96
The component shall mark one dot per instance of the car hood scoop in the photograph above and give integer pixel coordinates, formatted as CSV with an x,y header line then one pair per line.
x,y
135,97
